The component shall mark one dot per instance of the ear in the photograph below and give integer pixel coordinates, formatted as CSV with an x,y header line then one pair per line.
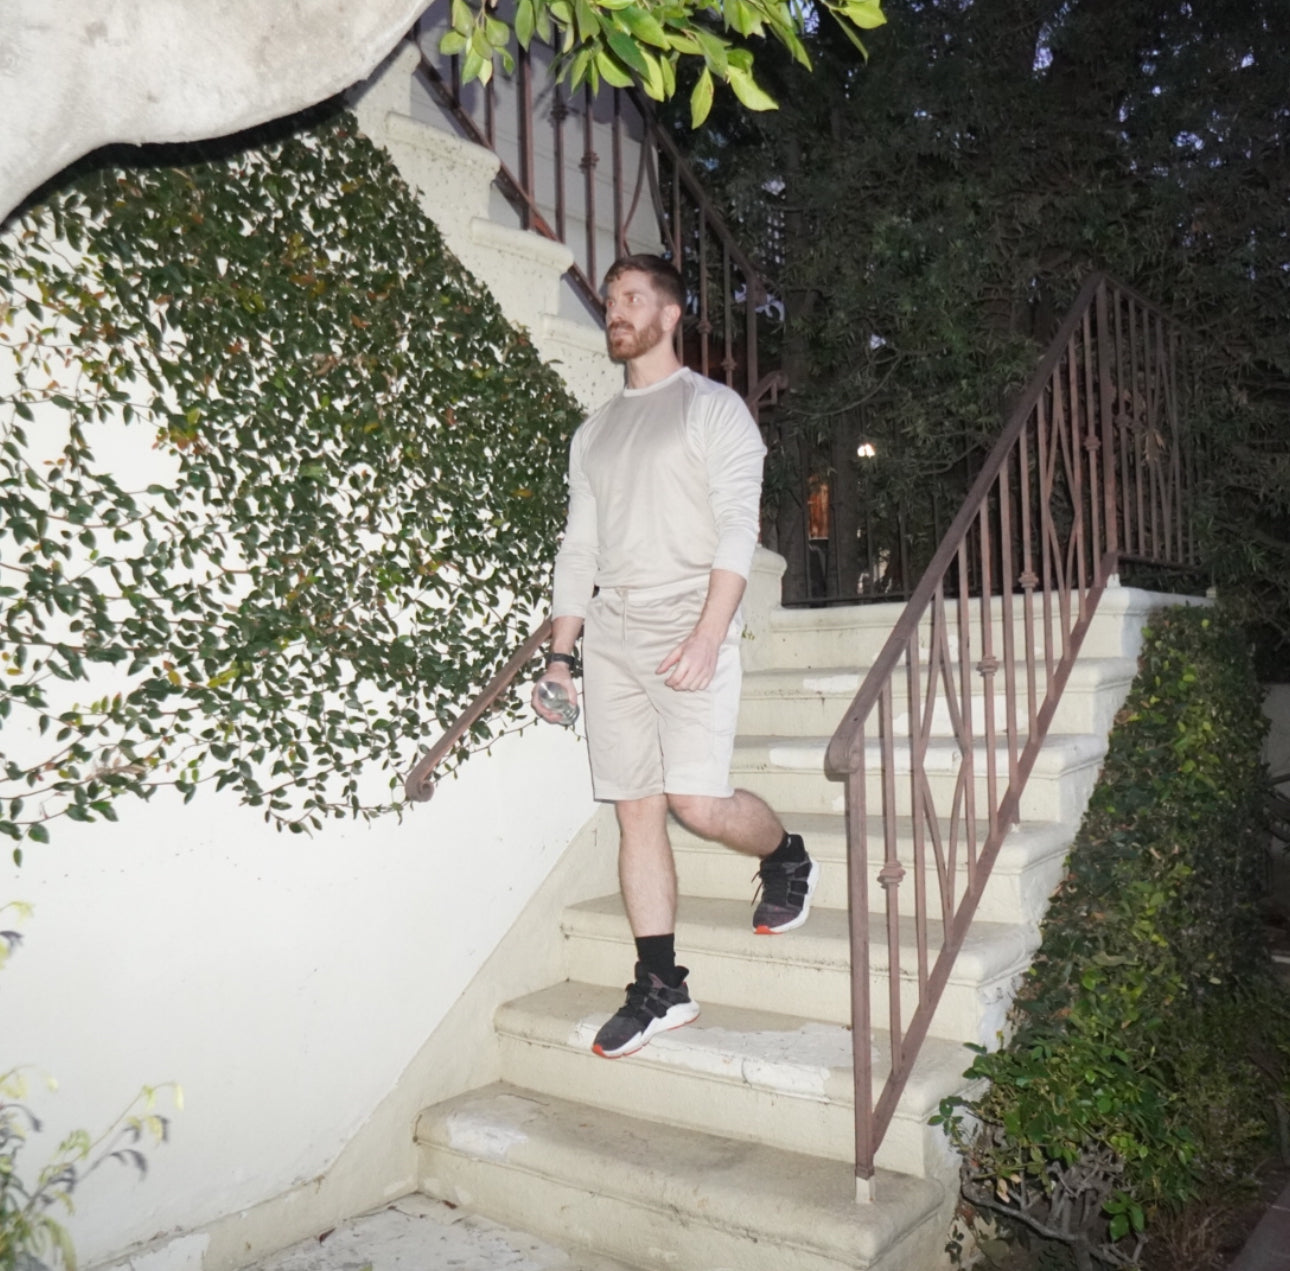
x,y
670,316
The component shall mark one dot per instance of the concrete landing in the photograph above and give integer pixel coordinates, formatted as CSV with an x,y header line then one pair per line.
x,y
419,1234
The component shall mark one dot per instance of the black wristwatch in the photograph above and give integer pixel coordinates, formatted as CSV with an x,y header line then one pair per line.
x,y
569,659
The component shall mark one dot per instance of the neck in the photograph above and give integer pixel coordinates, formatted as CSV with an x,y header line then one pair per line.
x,y
660,362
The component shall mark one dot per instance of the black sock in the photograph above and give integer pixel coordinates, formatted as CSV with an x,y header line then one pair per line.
x,y
658,954
789,852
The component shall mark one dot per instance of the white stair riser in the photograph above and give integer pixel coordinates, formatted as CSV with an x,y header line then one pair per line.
x,y
610,1225
1046,797
819,1124
824,640
1011,895
969,1010
803,713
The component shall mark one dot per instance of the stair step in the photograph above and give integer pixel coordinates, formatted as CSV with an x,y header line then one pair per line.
x,y
664,1198
789,773
781,1080
1026,871
807,971
793,702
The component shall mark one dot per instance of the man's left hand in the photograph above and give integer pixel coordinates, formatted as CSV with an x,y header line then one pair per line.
x,y
693,663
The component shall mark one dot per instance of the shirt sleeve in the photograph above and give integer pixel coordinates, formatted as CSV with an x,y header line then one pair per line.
x,y
733,453
575,562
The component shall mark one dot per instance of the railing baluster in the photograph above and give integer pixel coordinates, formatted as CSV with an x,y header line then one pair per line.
x,y
1006,582
1104,353
705,319
559,113
919,728
1141,442
588,165
620,225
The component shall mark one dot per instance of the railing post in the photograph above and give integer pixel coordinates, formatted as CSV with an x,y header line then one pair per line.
x,y
861,1019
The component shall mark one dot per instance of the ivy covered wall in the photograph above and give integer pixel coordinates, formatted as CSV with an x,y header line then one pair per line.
x,y
247,538
364,486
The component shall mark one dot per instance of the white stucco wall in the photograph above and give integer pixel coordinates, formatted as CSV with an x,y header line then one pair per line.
x,y
75,76
285,982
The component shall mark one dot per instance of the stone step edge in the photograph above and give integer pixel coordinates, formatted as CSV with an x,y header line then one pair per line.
x,y
536,1020
722,928
746,1190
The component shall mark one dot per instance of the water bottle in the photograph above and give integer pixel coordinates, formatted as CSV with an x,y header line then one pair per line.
x,y
556,700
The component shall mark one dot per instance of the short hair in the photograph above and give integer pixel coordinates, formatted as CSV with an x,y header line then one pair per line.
x,y
662,274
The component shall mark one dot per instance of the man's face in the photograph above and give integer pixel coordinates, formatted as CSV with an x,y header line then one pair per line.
x,y
634,316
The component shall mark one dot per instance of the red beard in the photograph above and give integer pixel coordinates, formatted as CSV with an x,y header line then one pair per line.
x,y
626,343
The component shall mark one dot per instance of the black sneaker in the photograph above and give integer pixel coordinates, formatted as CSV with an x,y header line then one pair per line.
x,y
652,1006
786,892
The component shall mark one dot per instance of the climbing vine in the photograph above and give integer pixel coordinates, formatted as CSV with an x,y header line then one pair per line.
x,y
278,484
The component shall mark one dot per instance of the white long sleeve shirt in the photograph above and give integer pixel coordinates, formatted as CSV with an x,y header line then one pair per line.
x,y
664,487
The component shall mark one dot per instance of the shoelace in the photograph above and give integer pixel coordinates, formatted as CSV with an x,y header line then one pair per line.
x,y
779,886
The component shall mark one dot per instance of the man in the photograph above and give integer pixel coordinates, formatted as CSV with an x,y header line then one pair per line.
x,y
664,494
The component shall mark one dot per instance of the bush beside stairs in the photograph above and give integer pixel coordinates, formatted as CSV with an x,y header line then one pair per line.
x,y
728,1145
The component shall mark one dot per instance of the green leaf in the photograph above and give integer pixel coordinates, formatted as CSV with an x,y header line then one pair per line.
x,y
749,92
452,43
627,52
611,71
714,51
701,99
866,14
644,26
524,22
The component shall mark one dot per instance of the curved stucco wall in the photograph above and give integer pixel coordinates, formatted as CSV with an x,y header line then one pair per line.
x,y
76,76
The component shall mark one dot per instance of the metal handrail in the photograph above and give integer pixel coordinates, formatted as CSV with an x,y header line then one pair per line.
x,y
418,785
1093,467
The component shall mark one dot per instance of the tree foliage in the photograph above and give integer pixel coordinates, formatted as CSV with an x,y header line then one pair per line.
x,y
355,478
935,209
621,42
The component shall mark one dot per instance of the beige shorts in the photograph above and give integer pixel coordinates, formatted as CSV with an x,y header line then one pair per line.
x,y
643,737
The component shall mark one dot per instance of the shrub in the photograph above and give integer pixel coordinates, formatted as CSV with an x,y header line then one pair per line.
x,y
1131,1082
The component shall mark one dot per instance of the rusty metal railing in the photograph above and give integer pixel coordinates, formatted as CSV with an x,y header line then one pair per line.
x,y
1093,468
599,174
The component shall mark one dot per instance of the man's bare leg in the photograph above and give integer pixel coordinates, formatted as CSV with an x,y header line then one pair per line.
x,y
646,870
743,821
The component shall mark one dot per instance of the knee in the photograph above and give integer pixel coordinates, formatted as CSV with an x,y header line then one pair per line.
x,y
700,813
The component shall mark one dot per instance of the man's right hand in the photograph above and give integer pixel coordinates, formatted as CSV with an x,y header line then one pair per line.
x,y
556,673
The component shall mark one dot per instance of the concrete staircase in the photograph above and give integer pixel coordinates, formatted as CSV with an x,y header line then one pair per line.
x,y
728,1144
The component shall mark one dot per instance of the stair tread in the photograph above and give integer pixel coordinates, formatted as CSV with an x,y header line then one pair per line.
x,y
786,1054
724,926
808,1202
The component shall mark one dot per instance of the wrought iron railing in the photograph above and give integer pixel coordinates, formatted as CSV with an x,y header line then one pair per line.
x,y
551,144
1094,468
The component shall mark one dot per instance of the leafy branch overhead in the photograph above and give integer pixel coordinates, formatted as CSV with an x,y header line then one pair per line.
x,y
622,42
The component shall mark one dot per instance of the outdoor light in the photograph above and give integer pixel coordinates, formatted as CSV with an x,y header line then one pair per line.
x,y
866,450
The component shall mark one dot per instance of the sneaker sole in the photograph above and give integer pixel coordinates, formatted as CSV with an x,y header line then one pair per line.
x,y
678,1016
811,879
